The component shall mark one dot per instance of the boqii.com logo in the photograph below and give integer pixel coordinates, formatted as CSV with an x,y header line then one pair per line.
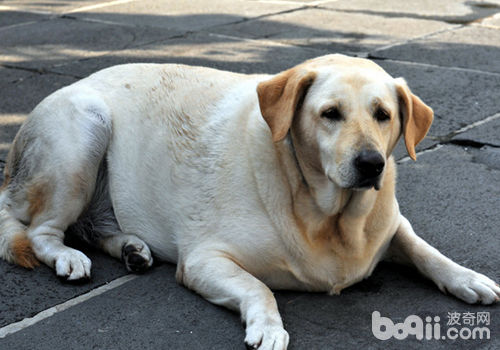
x,y
465,325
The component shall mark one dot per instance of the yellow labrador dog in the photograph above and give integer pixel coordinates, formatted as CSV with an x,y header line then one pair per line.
x,y
247,182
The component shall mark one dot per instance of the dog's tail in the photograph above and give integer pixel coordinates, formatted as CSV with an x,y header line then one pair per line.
x,y
14,244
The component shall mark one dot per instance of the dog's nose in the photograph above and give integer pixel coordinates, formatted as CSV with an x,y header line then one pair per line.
x,y
369,164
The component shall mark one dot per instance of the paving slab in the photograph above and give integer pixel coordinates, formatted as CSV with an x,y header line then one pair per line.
x,y
487,133
452,200
489,156
49,6
451,11
44,44
20,97
455,213
9,122
25,293
13,18
400,151
193,15
203,49
21,92
333,30
473,47
9,76
458,97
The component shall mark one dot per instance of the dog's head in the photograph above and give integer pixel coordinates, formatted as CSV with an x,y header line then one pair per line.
x,y
345,116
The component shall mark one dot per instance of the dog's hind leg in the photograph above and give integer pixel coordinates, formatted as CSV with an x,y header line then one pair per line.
x,y
52,167
98,227
130,249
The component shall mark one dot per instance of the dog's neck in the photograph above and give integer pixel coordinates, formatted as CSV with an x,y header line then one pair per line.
x,y
308,180
317,201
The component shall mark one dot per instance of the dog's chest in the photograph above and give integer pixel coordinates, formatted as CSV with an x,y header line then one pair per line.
x,y
335,271
333,259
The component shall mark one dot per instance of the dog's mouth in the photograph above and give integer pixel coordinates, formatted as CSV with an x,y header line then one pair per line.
x,y
362,184
368,183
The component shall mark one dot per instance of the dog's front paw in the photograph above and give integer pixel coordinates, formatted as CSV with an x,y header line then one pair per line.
x,y
266,336
472,287
72,265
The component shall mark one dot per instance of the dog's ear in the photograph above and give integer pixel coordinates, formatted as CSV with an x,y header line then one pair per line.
x,y
417,117
280,97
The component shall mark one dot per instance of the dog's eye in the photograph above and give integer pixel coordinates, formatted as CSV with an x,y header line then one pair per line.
x,y
382,115
332,113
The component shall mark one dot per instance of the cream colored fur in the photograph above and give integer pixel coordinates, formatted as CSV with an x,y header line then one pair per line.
x,y
238,179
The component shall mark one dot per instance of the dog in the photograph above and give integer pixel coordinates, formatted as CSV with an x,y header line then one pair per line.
x,y
247,182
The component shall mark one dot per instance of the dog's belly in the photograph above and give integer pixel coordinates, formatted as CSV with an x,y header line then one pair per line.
x,y
153,176
168,141
140,192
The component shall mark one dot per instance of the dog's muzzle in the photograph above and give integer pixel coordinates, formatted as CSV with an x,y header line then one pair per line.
x,y
369,166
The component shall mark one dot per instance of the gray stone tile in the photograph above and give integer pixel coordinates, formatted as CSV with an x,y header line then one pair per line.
x,y
11,18
400,151
487,133
10,76
20,96
333,31
57,41
151,312
9,125
452,199
471,47
458,98
451,11
49,6
25,293
10,121
190,15
203,49
489,156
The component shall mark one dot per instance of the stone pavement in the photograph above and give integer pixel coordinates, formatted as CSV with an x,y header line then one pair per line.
x,y
449,52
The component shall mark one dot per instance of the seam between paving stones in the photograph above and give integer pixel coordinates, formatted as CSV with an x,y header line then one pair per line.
x,y
251,19
99,5
24,24
19,9
449,139
40,71
56,14
369,54
51,311
453,27
462,20
430,65
419,37
477,123
68,15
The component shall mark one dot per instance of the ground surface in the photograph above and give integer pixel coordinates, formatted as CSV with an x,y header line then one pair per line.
x,y
449,52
